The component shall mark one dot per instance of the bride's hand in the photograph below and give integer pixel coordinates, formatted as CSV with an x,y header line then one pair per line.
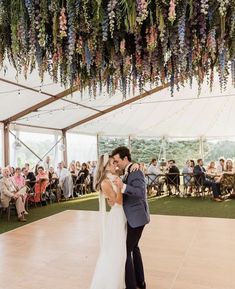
x,y
110,202
118,182
135,167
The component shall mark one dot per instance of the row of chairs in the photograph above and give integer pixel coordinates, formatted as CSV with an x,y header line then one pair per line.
x,y
191,182
52,194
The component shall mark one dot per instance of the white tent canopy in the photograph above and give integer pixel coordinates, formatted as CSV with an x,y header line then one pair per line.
x,y
187,114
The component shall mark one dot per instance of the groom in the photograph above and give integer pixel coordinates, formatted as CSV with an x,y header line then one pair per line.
x,y
137,213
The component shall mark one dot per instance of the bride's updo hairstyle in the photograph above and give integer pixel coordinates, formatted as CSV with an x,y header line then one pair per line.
x,y
101,170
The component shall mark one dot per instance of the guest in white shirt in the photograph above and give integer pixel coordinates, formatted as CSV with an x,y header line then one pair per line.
x,y
153,168
65,181
47,163
221,166
153,173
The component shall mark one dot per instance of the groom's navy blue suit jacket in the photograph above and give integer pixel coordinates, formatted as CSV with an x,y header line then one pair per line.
x,y
135,203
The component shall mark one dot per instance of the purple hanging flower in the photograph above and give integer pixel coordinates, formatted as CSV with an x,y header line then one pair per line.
x,y
105,28
88,57
71,29
181,32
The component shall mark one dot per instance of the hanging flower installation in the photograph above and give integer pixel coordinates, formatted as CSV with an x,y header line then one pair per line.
x,y
119,44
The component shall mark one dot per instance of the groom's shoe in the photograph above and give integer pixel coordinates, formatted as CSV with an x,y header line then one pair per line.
x,y
142,286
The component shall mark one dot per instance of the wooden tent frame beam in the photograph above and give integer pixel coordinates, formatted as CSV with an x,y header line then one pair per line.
x,y
117,106
26,87
41,104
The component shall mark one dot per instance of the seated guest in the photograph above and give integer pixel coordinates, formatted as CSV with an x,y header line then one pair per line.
x,y
53,178
65,181
143,168
221,166
211,170
30,178
26,165
186,174
78,166
201,179
11,171
153,168
82,177
47,163
19,182
153,171
89,166
188,177
40,186
53,192
73,171
229,168
83,174
9,192
173,176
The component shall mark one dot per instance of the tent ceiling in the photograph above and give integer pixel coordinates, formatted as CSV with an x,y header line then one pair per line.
x,y
184,115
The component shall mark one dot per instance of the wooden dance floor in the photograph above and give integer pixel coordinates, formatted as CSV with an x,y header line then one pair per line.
x,y
60,252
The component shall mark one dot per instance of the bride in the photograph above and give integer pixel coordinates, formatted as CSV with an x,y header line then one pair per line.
x,y
110,267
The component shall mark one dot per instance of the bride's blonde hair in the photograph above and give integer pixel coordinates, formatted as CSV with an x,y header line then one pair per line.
x,y
101,170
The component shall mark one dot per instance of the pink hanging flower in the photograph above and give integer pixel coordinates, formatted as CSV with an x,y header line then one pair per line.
x,y
172,14
127,64
122,46
63,23
138,60
79,45
151,37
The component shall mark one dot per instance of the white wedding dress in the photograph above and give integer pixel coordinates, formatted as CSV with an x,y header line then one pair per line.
x,y
110,268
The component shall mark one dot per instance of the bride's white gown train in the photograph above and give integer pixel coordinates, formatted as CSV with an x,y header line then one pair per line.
x,y
110,268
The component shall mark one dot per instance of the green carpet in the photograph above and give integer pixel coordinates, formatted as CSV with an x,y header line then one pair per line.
x,y
164,206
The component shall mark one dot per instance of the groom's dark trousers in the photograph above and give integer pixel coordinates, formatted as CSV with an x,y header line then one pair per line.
x,y
134,266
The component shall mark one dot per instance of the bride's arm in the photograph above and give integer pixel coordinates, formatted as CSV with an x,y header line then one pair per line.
x,y
110,194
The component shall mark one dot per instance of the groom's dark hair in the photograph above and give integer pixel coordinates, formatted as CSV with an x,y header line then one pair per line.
x,y
123,152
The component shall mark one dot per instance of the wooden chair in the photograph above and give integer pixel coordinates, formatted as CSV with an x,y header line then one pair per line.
x,y
153,183
8,210
228,184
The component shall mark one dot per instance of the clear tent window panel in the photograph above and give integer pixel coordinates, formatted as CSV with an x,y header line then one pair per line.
x,y
82,148
108,143
40,145
220,148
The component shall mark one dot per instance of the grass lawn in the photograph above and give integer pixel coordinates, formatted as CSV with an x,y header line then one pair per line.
x,y
164,206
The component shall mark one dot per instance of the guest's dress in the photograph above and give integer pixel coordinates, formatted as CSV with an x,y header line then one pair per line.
x,y
40,187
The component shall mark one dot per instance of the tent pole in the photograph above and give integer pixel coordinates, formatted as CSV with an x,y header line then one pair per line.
x,y
6,141
98,145
201,147
164,148
65,152
129,143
